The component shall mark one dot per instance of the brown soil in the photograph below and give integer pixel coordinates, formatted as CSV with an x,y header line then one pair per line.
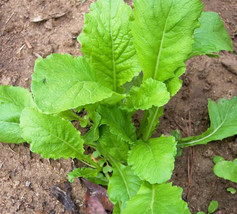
x,y
27,179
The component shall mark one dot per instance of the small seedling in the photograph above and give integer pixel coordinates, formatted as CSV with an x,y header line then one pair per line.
x,y
213,206
231,190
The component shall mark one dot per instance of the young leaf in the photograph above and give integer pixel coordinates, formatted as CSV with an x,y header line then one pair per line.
x,y
12,101
107,41
157,198
223,117
61,82
150,93
231,190
157,162
113,145
93,134
123,184
227,170
163,31
89,174
211,37
50,135
82,172
119,122
213,206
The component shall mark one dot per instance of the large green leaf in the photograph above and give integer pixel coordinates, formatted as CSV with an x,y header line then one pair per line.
x,y
61,82
123,184
211,37
50,135
113,145
12,101
157,162
226,169
163,31
107,41
157,199
150,93
119,122
223,117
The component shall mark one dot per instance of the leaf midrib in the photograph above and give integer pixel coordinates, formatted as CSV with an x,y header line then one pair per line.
x,y
60,139
161,44
146,138
211,134
152,198
112,47
122,176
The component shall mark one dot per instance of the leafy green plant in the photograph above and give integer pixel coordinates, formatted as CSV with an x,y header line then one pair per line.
x,y
157,38
213,206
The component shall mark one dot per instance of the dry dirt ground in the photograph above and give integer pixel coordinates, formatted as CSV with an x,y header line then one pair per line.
x,y
26,180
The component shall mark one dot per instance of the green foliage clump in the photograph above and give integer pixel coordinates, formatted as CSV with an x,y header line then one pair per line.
x,y
157,38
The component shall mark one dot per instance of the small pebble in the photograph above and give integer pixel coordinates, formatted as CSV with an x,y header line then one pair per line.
x,y
28,183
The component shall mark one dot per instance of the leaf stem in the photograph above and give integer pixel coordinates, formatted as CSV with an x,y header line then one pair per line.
x,y
88,161
149,131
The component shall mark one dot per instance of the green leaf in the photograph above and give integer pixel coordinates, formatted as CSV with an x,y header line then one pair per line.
x,y
200,212
82,172
157,198
149,122
107,41
119,122
99,179
157,162
113,100
223,117
123,184
61,82
50,135
227,170
136,81
173,85
12,101
93,134
89,174
150,93
117,208
213,206
217,159
107,169
231,190
211,37
113,145
69,115
163,35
